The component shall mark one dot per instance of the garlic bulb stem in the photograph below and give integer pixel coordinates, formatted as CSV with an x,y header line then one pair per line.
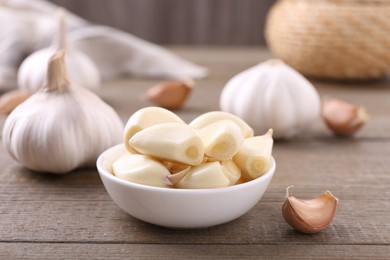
x,y
56,73
60,37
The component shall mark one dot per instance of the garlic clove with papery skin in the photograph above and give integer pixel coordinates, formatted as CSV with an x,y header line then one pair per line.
x,y
272,95
61,127
32,71
309,216
171,94
342,117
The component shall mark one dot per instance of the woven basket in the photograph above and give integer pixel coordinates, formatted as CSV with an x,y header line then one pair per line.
x,y
336,39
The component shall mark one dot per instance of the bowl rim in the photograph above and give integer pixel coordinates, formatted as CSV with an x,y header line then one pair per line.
x,y
111,177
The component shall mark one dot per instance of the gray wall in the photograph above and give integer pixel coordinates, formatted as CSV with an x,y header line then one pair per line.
x,y
194,22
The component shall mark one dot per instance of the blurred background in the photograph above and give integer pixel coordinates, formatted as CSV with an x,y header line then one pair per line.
x,y
180,22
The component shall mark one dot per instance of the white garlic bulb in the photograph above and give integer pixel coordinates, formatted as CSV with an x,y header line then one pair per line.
x,y
61,127
82,70
272,95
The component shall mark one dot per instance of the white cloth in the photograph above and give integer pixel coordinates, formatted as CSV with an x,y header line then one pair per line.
x,y
29,25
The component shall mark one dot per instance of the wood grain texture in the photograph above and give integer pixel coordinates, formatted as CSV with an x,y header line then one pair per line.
x,y
195,22
141,251
44,216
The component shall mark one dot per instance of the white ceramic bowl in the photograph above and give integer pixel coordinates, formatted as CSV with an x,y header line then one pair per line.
x,y
180,208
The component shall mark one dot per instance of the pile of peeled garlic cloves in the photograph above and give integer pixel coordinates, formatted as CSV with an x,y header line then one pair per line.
x,y
216,149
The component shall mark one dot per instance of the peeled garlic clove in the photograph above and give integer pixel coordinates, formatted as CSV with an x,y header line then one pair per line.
x,y
208,175
254,156
231,170
145,118
309,216
221,139
343,118
211,117
141,169
170,95
10,100
175,142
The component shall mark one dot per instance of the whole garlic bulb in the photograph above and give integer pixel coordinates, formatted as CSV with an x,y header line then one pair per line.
x,y
272,95
61,127
32,71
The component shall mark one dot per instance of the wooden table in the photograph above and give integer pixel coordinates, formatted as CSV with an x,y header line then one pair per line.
x,y
72,216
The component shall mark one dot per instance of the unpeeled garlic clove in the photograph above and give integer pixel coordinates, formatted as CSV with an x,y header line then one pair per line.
x,y
171,94
10,100
309,216
343,118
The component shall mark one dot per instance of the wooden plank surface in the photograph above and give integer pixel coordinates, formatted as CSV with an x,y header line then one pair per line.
x,y
141,251
72,216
